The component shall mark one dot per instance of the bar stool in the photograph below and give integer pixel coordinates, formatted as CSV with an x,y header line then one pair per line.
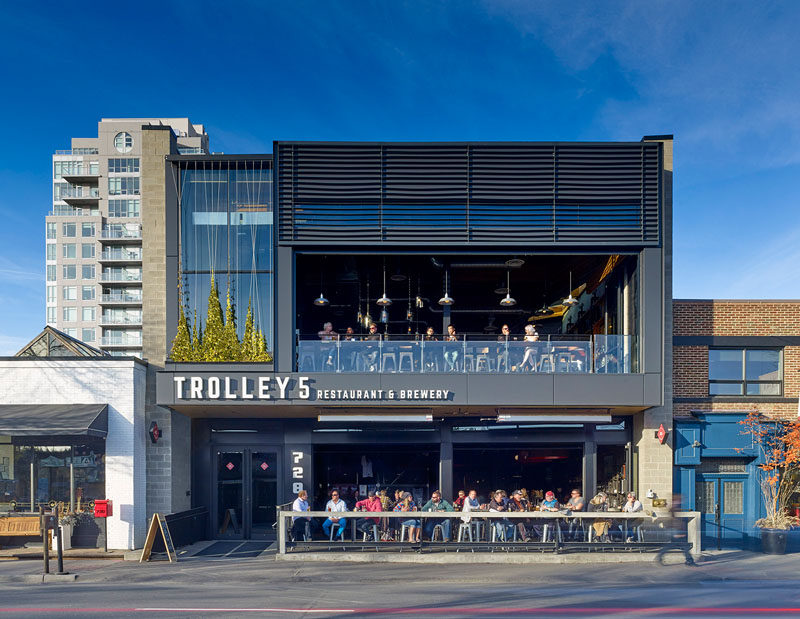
x,y
389,356
465,527
403,532
563,359
546,364
548,527
307,357
437,529
375,534
469,362
504,534
483,363
406,355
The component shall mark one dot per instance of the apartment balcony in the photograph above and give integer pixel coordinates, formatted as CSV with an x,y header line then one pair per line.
x,y
121,298
120,256
120,235
121,341
82,177
86,150
120,278
124,321
77,196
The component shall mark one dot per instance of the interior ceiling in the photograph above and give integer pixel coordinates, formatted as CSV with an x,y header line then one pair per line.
x,y
476,283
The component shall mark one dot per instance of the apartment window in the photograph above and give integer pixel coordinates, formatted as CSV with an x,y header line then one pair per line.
x,y
87,335
70,271
123,185
745,371
87,314
51,272
69,293
69,250
51,315
87,293
123,142
120,166
87,250
87,271
69,230
69,314
60,190
123,208
51,230
87,229
71,331
51,251
51,294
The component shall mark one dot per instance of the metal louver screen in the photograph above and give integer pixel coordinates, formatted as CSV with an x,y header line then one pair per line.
x,y
483,193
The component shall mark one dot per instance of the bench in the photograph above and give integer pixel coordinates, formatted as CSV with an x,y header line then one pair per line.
x,y
21,526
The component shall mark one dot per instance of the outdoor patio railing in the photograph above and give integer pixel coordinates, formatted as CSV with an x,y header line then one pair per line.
x,y
490,531
597,354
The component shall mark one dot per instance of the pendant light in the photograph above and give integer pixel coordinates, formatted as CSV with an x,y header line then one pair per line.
x,y
543,311
384,316
508,301
446,299
321,301
409,311
418,301
570,301
367,317
359,315
384,301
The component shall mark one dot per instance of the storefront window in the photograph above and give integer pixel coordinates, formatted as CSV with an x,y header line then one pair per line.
x,y
50,465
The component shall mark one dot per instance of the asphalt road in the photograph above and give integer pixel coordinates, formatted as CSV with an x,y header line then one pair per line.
x,y
734,585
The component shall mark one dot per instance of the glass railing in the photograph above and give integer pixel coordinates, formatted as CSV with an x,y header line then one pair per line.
x,y
121,298
578,354
122,254
121,320
120,340
120,233
79,192
107,276
86,150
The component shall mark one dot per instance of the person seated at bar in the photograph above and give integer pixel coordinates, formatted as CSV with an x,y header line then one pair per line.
x,y
347,354
335,505
437,504
471,504
601,527
530,358
328,350
549,504
632,505
370,353
503,527
451,352
407,504
371,504
576,503
458,504
502,348
301,525
429,361
519,503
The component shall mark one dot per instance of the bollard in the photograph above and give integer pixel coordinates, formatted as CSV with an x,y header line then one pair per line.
x,y
60,548
45,548
105,534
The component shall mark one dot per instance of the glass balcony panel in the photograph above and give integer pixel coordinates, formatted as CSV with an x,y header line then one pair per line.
x,y
613,354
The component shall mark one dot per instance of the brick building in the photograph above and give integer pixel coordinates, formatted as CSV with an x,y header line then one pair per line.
x,y
729,357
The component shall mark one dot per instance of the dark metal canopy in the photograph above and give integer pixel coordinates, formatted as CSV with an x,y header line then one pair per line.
x,y
54,419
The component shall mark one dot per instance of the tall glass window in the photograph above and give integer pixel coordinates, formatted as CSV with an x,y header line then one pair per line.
x,y
87,229
68,230
227,227
51,230
121,185
69,250
119,166
87,250
51,251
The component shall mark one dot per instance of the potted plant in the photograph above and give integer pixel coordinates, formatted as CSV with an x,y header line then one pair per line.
x,y
67,523
778,443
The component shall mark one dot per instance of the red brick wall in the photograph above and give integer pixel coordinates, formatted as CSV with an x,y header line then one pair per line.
x,y
732,318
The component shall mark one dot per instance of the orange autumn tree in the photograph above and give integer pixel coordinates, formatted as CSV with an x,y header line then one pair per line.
x,y
778,442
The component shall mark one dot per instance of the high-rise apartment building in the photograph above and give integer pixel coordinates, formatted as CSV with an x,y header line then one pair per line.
x,y
94,231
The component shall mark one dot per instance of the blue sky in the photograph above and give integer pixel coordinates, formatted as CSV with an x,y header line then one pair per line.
x,y
723,77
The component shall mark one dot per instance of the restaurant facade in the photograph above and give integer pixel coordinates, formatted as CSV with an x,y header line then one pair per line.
x,y
572,239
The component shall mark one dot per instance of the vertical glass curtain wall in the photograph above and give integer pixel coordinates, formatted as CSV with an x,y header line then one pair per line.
x,y
226,227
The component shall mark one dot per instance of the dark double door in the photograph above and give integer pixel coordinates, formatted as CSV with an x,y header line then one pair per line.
x,y
247,493
722,502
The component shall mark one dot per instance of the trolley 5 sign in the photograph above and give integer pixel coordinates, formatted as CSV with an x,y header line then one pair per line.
x,y
276,387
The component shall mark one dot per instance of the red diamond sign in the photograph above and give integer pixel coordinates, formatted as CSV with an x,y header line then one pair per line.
x,y
229,466
264,466
661,434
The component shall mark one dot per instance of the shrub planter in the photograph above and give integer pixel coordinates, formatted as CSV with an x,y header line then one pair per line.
x,y
87,534
773,541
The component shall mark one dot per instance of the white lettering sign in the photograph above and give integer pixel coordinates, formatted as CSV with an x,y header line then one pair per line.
x,y
289,388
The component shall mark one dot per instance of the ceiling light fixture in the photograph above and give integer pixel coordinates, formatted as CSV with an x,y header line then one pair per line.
x,y
570,300
508,301
446,299
384,301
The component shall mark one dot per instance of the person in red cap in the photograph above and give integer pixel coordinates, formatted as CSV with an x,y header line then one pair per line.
x,y
550,504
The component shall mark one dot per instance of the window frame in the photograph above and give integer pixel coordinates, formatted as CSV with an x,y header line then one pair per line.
x,y
743,381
